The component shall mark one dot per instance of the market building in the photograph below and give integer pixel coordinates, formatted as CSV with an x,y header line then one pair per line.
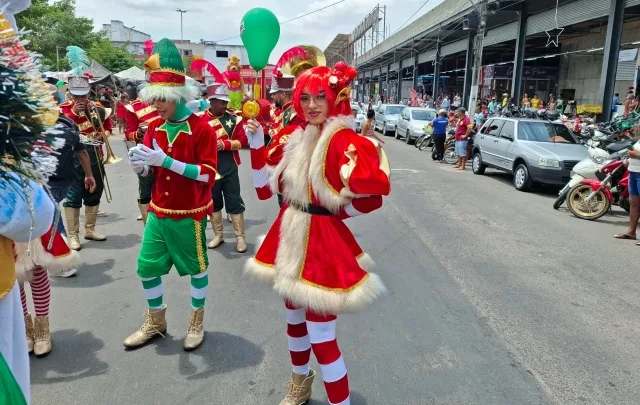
x,y
586,50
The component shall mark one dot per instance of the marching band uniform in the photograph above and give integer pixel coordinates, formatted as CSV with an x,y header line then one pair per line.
x,y
229,130
77,193
327,174
139,115
183,154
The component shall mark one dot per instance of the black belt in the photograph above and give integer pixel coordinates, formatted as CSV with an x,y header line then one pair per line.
x,y
312,209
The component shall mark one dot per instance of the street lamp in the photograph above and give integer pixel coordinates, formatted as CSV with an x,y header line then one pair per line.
x,y
181,32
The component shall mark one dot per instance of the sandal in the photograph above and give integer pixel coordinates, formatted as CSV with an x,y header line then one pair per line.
x,y
624,236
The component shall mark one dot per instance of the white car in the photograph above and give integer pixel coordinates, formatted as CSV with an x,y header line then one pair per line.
x,y
386,117
359,116
412,121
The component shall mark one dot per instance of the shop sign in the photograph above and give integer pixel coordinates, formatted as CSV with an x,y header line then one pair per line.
x,y
506,72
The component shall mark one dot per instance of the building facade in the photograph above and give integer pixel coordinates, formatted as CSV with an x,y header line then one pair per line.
x,y
120,35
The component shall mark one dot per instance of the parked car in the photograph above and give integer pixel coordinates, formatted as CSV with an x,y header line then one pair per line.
x,y
386,117
412,121
534,151
359,116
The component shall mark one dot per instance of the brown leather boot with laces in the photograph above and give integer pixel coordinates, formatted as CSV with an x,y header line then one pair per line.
x,y
28,323
41,336
195,333
299,389
155,325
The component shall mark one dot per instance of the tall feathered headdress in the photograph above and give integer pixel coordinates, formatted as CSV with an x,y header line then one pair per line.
x,y
148,47
200,64
78,60
298,59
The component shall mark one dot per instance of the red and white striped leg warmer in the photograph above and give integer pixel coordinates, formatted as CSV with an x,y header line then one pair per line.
x,y
41,291
322,332
23,298
299,343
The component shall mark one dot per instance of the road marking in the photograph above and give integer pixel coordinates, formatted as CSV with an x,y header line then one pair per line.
x,y
412,171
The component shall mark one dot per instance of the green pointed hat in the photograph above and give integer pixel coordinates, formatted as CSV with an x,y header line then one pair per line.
x,y
167,77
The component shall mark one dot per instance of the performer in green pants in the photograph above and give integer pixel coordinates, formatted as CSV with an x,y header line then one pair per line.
x,y
179,148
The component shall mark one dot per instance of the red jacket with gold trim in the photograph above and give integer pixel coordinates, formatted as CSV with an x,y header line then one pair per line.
x,y
176,196
138,113
229,129
85,126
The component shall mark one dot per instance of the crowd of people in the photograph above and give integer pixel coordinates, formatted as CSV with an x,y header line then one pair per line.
x,y
186,162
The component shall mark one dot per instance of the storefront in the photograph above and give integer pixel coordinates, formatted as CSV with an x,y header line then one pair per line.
x,y
496,80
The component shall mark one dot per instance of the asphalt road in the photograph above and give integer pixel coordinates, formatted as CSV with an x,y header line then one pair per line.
x,y
494,299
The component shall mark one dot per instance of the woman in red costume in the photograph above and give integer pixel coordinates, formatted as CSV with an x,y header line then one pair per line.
x,y
327,173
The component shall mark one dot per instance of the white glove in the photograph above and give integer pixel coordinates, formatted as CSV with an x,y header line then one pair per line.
x,y
256,140
150,157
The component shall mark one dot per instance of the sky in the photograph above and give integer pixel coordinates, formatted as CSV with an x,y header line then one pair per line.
x,y
214,20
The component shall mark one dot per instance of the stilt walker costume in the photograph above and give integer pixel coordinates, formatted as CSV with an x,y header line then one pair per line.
x,y
182,153
138,116
26,211
229,130
328,173
79,109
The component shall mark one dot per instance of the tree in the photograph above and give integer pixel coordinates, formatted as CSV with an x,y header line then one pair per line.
x,y
114,58
54,26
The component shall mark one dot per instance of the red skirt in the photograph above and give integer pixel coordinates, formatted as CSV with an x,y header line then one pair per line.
x,y
315,262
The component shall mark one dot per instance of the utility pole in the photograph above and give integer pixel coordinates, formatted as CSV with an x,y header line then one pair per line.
x,y
481,8
57,59
181,31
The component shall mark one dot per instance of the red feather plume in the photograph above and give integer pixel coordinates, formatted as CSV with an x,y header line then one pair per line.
x,y
148,46
295,52
200,64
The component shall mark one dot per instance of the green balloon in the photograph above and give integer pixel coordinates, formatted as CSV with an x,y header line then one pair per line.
x,y
260,32
60,83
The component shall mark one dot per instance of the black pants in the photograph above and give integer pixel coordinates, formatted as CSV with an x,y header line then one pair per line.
x,y
438,140
78,194
227,191
144,189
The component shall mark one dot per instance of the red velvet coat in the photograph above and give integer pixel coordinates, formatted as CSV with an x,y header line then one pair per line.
x,y
56,258
313,260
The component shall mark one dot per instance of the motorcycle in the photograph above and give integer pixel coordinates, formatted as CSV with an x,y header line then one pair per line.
x,y
589,168
590,193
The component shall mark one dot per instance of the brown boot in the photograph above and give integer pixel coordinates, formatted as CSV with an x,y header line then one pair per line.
x,y
238,227
28,323
90,217
42,337
218,230
143,212
299,389
73,227
154,325
195,333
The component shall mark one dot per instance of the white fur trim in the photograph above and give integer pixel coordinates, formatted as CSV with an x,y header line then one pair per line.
x,y
151,93
60,264
254,269
327,196
289,258
25,263
366,263
294,166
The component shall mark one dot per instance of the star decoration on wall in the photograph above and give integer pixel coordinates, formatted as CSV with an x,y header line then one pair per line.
x,y
553,36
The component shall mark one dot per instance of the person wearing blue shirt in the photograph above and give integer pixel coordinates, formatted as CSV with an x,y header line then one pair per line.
x,y
440,134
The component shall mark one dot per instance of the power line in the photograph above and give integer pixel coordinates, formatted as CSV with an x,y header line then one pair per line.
x,y
412,15
295,18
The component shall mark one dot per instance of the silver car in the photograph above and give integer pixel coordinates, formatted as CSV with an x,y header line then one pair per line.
x,y
412,121
534,151
358,115
386,117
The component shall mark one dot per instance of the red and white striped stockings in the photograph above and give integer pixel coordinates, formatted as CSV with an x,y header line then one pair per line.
x,y
308,331
40,292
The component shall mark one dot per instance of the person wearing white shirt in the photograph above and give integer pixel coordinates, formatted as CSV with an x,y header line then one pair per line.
x,y
634,194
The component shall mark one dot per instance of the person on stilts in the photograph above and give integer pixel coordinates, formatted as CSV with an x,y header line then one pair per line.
x,y
327,173
230,136
180,150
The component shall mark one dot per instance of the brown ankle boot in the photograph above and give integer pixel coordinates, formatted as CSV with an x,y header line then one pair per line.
x,y
238,227
41,336
195,333
299,389
90,217
28,323
218,230
154,325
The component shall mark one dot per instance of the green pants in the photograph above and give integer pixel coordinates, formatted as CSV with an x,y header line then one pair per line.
x,y
144,189
227,191
77,194
167,242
